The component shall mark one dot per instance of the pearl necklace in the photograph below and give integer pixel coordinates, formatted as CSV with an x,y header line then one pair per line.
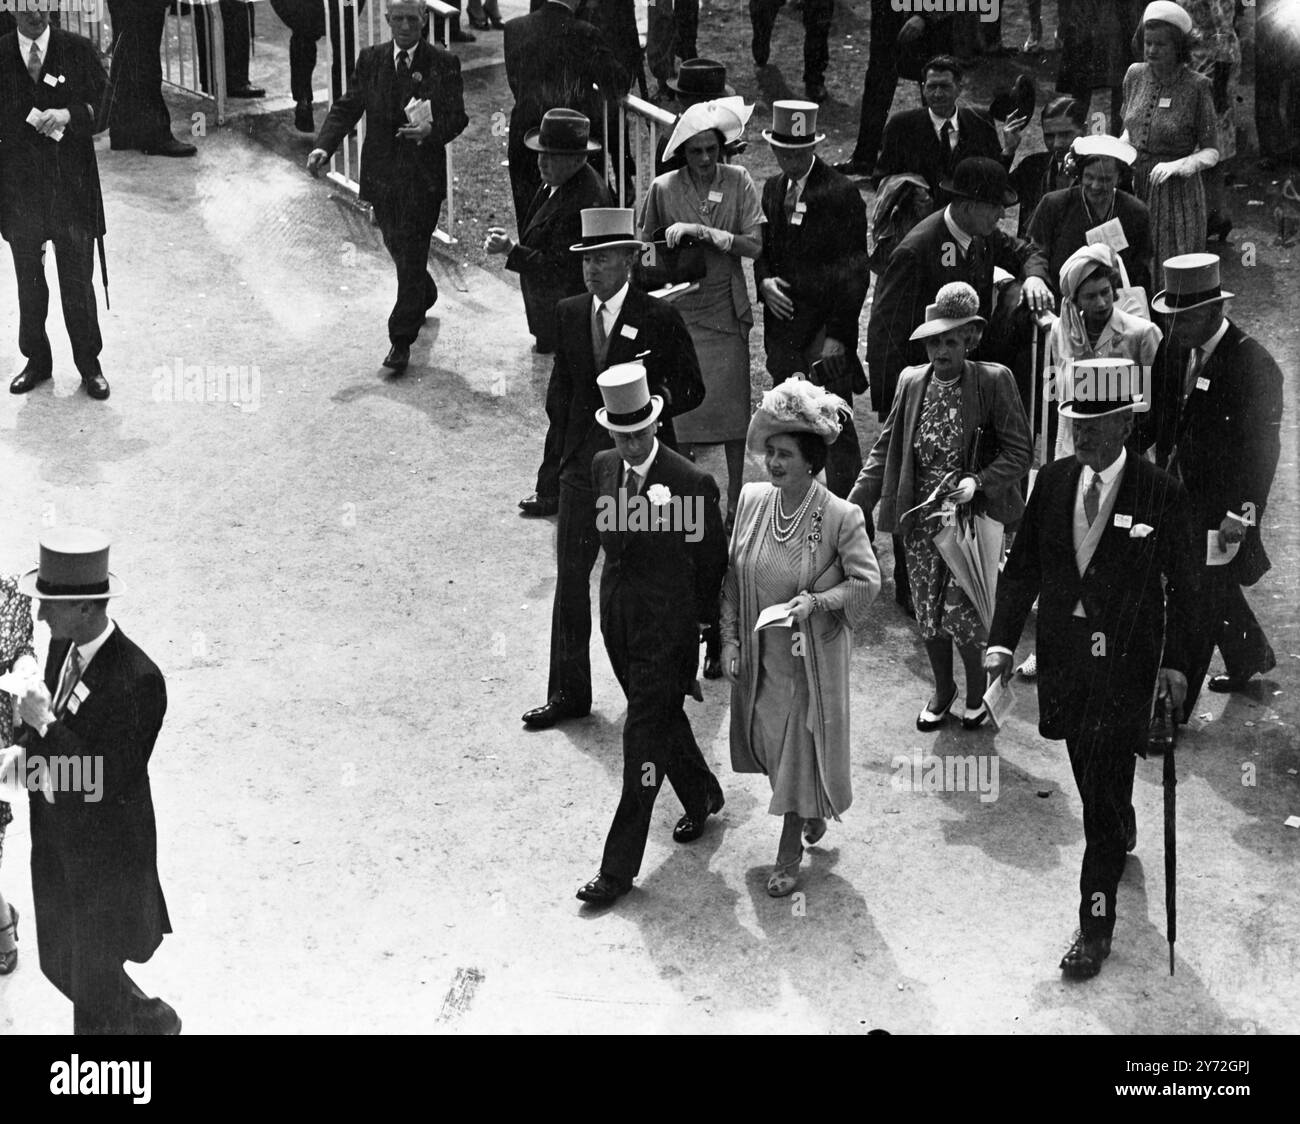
x,y
786,533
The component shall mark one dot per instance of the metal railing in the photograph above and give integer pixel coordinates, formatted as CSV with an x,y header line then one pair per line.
x,y
640,121
345,164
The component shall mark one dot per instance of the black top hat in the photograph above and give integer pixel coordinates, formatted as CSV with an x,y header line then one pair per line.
x,y
700,78
982,179
562,131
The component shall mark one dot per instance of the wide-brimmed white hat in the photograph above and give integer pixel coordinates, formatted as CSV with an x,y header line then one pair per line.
x,y
1166,11
1103,144
728,115
73,567
629,405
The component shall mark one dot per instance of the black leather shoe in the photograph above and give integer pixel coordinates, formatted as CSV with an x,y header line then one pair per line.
x,y
1083,960
246,91
603,890
96,386
540,505
458,36
975,721
26,379
852,168
399,355
479,25
555,710
168,147
689,829
929,719
1225,684
303,120
498,24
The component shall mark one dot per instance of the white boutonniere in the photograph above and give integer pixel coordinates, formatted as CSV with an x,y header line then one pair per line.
x,y
658,494
1140,530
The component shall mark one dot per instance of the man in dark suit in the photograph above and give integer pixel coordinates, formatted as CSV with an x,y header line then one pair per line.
x,y
812,275
612,323
932,140
553,59
900,44
665,553
548,270
136,113
403,164
89,731
51,90
237,33
1219,433
1106,548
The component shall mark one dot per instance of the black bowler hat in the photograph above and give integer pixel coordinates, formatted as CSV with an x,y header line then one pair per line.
x,y
700,78
982,179
565,132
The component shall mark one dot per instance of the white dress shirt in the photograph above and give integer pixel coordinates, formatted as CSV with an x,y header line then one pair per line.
x,y
42,42
963,239
643,469
610,310
938,123
85,652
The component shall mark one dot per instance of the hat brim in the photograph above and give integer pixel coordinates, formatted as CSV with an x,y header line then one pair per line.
x,y
630,243
945,324
656,408
27,587
532,139
1067,410
1009,197
726,91
809,143
1159,304
763,425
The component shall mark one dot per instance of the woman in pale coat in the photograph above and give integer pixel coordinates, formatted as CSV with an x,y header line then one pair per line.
x,y
795,544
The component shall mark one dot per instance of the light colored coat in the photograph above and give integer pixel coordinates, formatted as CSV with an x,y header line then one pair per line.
x,y
842,571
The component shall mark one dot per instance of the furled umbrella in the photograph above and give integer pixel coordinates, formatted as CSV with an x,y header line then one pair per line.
x,y
1162,738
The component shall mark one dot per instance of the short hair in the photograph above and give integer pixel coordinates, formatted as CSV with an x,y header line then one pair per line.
x,y
942,62
1182,43
1066,106
812,448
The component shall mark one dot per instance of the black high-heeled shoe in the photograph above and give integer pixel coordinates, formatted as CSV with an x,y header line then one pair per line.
x,y
9,960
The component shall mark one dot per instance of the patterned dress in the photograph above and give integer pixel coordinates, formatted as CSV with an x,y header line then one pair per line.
x,y
1167,121
15,641
942,607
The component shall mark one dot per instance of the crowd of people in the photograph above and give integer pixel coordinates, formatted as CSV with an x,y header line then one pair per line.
x,y
1071,399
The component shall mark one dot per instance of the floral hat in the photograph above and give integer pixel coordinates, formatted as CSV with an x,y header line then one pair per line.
x,y
797,406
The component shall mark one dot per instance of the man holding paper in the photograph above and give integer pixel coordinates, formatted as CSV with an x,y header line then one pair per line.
x,y
1219,431
1106,548
411,95
51,88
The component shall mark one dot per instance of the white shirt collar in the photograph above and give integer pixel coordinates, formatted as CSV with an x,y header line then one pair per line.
x,y
643,469
614,305
1207,348
87,651
42,41
963,239
410,53
802,181
937,122
1107,474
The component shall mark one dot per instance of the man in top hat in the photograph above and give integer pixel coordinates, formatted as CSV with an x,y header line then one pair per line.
x,y
612,323
812,275
553,59
548,270
94,853
1061,222
961,242
403,164
1106,548
816,40
51,89
697,81
934,138
661,578
1219,412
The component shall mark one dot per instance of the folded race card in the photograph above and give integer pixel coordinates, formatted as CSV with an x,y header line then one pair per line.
x,y
34,115
1001,701
774,616
419,112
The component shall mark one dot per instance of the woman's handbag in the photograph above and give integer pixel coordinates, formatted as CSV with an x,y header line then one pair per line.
x,y
659,266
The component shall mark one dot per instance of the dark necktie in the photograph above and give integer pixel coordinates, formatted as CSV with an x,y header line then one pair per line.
x,y
70,680
34,62
945,139
1092,499
403,67
599,335
633,483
